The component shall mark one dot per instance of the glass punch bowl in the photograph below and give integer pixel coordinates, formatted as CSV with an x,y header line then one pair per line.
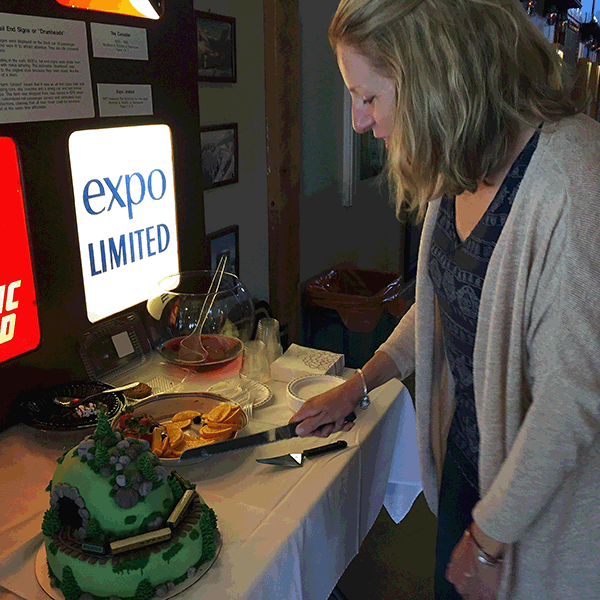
x,y
175,310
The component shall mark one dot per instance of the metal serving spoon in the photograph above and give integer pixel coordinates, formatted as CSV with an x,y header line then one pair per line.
x,y
68,402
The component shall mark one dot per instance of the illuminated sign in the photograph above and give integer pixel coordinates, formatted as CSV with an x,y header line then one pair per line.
x,y
125,210
150,9
19,324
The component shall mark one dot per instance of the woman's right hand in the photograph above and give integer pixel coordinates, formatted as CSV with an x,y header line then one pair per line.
x,y
326,413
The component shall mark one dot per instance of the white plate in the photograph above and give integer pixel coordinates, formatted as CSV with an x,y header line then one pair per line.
x,y
301,389
162,407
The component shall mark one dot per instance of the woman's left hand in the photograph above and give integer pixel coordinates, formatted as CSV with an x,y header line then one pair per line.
x,y
473,579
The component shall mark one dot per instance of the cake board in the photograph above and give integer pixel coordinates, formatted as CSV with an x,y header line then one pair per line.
x,y
41,573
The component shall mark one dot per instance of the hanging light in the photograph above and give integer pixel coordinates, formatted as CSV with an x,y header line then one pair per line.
x,y
551,15
530,6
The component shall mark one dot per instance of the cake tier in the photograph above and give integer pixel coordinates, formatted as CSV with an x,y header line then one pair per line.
x,y
141,573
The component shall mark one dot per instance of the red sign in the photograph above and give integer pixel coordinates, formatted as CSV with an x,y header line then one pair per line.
x,y
19,323
147,8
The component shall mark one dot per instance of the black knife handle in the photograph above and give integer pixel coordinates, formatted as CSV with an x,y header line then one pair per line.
x,y
350,417
326,448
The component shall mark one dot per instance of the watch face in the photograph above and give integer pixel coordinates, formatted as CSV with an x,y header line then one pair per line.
x,y
149,9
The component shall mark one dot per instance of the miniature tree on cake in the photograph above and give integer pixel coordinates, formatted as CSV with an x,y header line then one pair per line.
x,y
104,431
94,531
147,469
101,457
51,522
176,487
69,585
208,539
144,591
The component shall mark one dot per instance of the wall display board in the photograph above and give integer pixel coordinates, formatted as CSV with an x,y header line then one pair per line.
x,y
44,69
126,214
19,326
124,100
132,72
112,41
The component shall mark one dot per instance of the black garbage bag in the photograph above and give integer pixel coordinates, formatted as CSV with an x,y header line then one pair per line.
x,y
358,296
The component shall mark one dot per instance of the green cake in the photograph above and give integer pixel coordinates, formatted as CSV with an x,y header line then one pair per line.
x,y
121,526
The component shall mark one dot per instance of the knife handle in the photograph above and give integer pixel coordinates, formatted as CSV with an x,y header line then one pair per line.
x,y
326,448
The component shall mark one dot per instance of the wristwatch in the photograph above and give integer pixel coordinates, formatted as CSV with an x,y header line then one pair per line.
x,y
364,401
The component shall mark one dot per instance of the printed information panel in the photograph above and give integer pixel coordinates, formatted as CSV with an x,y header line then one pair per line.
x,y
44,69
124,100
114,41
19,324
123,184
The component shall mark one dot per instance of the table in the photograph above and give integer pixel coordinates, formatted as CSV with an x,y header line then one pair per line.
x,y
287,533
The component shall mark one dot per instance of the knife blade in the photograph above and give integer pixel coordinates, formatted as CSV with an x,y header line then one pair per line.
x,y
296,459
285,432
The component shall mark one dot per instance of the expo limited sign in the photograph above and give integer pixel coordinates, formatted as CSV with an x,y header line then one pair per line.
x,y
19,322
126,217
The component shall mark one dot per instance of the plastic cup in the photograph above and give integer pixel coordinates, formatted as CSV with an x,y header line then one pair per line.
x,y
255,362
267,331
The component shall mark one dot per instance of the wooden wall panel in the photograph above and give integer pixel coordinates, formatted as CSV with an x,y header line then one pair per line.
x,y
283,160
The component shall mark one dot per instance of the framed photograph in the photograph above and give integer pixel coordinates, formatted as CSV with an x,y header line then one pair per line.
x,y
216,47
371,155
225,242
219,145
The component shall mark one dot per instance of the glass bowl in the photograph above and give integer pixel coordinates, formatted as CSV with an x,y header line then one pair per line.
x,y
175,310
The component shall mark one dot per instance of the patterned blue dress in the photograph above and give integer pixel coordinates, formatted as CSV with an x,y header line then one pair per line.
x,y
457,270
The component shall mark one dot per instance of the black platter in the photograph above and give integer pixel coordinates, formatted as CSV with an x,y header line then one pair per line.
x,y
42,411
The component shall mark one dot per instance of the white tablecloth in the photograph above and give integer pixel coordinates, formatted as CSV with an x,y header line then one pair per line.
x,y
287,533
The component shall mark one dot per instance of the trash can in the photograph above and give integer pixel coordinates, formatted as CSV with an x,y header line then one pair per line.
x,y
351,311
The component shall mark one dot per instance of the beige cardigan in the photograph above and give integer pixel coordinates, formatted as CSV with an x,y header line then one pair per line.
x,y
536,373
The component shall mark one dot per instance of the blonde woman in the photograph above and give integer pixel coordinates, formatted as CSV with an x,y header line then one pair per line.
x,y
486,136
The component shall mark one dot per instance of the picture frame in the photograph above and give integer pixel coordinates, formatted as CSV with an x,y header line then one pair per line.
x,y
371,156
219,147
363,156
216,47
225,241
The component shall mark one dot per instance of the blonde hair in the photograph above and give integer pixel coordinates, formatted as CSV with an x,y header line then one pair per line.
x,y
468,75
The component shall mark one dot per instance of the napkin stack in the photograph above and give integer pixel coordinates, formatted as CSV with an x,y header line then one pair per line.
x,y
298,361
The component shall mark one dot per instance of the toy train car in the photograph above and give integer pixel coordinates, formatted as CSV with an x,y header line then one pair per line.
x,y
94,549
139,541
180,509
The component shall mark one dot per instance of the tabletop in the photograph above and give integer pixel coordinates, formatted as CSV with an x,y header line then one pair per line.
x,y
287,533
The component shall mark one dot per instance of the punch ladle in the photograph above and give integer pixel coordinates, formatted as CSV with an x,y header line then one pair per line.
x,y
191,348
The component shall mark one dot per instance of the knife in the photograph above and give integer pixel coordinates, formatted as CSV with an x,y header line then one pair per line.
x,y
296,459
285,432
